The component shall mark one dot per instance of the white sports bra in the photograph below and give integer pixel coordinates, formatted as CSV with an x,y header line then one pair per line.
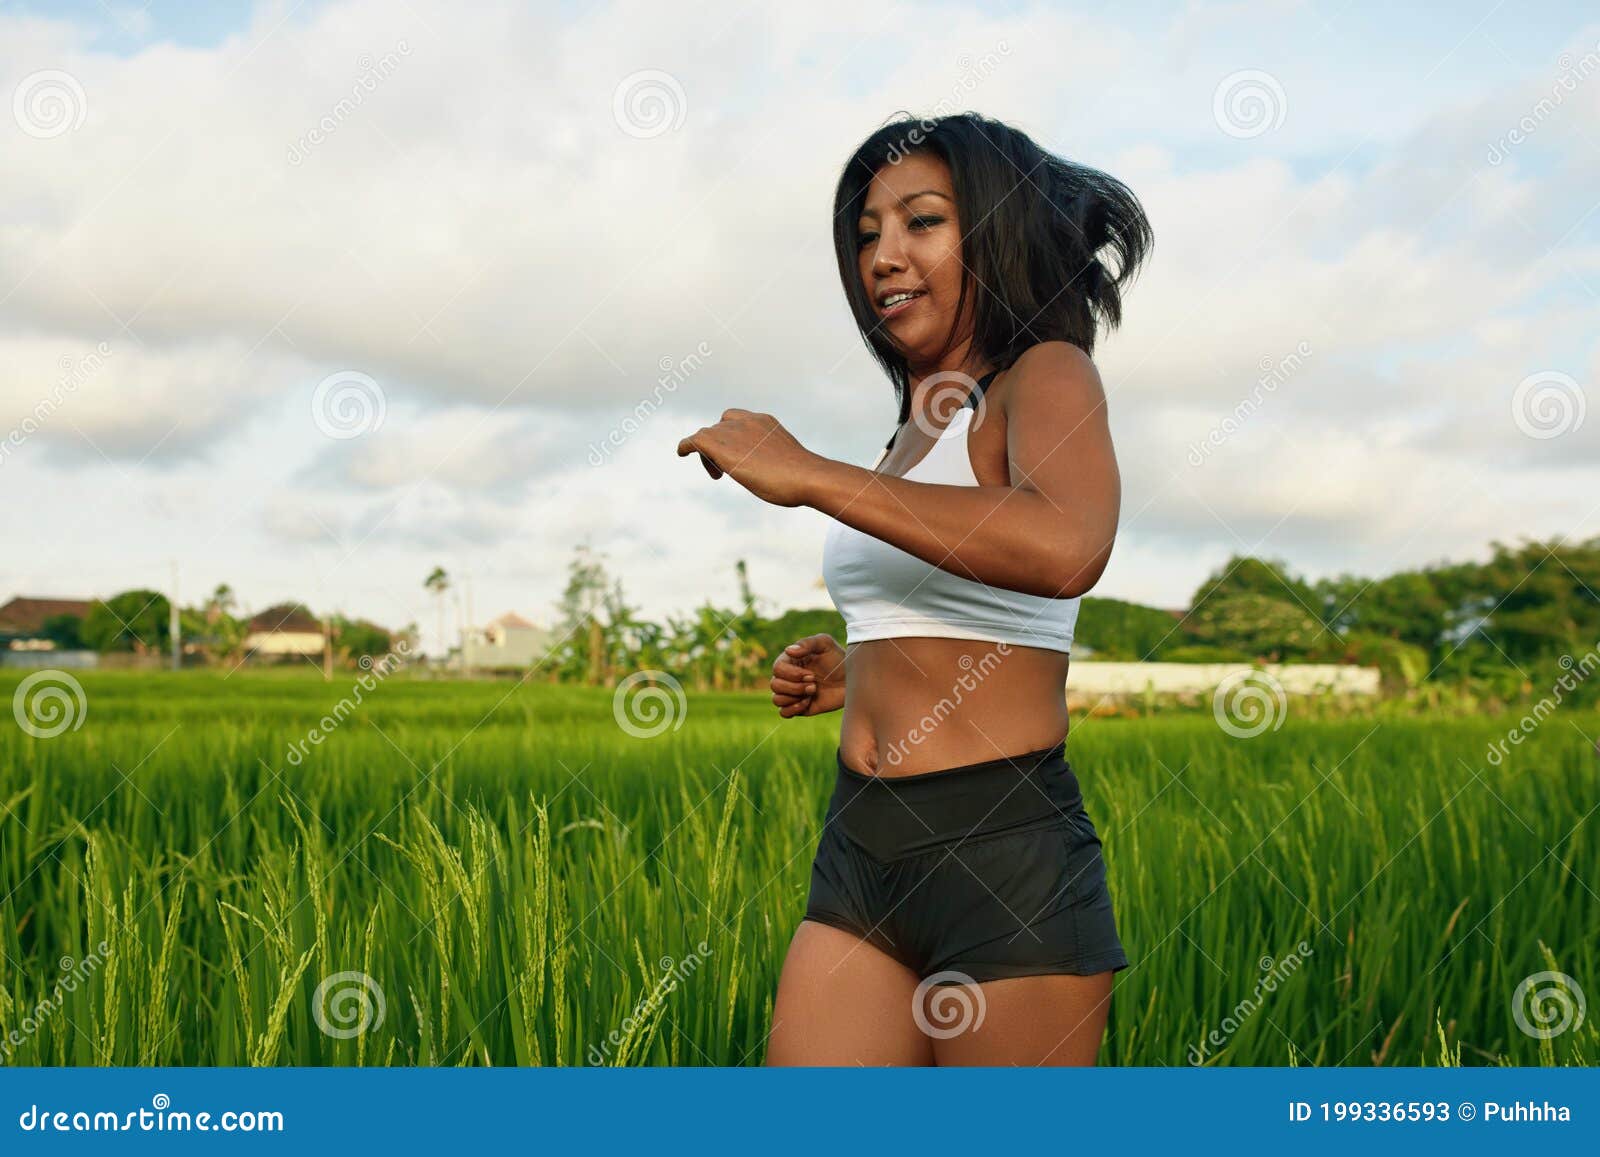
x,y
885,593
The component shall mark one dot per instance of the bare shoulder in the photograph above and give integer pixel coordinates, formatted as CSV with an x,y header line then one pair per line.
x,y
1055,413
1054,371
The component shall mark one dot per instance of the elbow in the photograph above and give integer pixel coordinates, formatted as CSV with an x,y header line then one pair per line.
x,y
1077,571
1063,562
1057,574
1069,551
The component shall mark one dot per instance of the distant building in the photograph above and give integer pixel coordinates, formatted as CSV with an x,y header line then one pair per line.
x,y
22,621
509,641
283,630
22,638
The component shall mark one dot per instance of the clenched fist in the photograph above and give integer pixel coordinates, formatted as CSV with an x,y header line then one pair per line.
x,y
808,677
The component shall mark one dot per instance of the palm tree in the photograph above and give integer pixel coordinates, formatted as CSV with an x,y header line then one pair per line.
x,y
220,603
438,582
745,653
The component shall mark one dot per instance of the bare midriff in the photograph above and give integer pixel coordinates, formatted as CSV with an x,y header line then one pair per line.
x,y
915,705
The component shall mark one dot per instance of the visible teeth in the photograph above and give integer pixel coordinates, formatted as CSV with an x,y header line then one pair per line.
x,y
896,299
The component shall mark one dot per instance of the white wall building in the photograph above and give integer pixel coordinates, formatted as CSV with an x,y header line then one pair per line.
x,y
509,641
281,631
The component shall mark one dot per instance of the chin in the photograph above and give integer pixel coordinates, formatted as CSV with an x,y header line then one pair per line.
x,y
908,337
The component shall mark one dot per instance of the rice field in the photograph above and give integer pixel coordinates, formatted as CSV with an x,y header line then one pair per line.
x,y
492,874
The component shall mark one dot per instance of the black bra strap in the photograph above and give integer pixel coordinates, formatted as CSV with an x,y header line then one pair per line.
x,y
983,384
972,401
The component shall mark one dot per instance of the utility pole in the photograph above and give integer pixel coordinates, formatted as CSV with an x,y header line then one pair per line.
x,y
466,636
172,620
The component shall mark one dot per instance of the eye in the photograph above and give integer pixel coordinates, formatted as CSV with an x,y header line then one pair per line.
x,y
924,222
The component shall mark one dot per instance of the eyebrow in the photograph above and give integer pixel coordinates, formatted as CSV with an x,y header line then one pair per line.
x,y
908,200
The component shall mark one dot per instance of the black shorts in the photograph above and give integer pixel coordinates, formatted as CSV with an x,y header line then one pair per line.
x,y
979,872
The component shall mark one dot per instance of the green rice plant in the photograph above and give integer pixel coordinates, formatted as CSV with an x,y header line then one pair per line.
x,y
500,874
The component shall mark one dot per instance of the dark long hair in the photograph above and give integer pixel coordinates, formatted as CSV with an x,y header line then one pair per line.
x,y
1034,227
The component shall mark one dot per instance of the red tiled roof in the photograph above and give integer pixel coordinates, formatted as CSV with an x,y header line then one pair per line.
x,y
284,618
22,614
511,619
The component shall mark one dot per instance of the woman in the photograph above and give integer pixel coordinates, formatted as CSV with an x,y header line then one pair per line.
x,y
958,909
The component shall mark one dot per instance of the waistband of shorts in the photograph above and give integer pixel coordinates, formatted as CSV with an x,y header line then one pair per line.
x,y
893,816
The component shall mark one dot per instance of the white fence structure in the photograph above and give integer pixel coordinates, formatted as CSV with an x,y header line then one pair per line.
x,y
1091,678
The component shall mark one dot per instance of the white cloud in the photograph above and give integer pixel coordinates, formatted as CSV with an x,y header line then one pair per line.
x,y
135,402
475,231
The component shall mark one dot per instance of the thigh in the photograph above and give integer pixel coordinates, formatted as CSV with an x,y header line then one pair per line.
x,y
1057,1019
843,1002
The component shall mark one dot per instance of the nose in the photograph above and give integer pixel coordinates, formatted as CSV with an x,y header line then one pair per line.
x,y
887,255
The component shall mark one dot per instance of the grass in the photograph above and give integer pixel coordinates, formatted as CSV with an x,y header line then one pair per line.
x,y
525,883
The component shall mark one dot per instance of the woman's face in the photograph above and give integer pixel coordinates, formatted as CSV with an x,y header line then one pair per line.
x,y
908,237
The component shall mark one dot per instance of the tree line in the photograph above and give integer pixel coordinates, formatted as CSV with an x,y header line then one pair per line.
x,y
139,621
1509,622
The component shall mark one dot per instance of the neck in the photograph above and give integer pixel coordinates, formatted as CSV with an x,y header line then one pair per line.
x,y
939,393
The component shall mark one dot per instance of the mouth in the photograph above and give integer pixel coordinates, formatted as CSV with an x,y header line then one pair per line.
x,y
894,304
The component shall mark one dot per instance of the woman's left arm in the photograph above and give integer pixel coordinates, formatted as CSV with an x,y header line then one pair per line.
x,y
1049,533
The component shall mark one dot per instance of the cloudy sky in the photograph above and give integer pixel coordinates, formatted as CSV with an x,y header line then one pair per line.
x,y
309,298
